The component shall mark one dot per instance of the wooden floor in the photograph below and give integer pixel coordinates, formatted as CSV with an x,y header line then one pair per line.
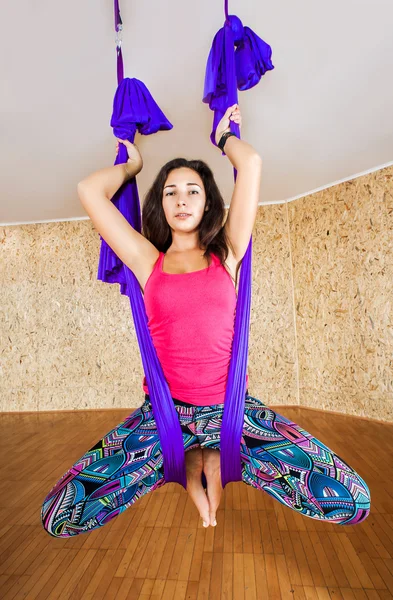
x,y
158,549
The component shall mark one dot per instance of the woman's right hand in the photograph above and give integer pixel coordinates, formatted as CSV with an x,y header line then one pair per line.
x,y
132,150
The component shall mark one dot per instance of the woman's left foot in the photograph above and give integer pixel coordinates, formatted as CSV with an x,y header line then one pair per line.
x,y
198,496
213,521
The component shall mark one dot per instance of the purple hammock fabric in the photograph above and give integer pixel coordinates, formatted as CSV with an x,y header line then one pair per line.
x,y
134,110
237,60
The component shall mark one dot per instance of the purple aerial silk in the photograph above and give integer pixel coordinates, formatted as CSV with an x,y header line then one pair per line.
x,y
237,60
134,110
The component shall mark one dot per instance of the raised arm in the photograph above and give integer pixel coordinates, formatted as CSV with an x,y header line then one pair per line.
x,y
96,192
244,203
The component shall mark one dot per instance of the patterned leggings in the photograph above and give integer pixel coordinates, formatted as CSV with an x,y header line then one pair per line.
x,y
277,455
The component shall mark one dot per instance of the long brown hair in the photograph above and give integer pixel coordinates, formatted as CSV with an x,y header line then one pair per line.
x,y
211,233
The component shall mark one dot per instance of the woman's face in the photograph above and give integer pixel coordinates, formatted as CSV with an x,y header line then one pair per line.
x,y
184,193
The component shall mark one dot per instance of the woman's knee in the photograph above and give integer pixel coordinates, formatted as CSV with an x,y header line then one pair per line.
x,y
211,461
342,502
48,520
53,533
362,504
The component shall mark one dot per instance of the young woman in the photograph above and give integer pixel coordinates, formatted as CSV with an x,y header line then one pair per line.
x,y
186,263
180,189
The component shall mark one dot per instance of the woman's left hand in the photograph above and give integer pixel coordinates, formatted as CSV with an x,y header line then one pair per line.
x,y
232,114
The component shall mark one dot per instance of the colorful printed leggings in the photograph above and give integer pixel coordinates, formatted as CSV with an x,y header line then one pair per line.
x,y
277,455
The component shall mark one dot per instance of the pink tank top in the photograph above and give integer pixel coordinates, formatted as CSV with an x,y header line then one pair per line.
x,y
191,319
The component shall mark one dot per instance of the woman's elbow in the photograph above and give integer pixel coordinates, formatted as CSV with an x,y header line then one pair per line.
x,y
253,161
83,190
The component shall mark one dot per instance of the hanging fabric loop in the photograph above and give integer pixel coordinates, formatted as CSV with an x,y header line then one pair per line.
x,y
135,110
237,60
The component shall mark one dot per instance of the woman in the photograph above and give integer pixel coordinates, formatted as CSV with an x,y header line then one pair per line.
x,y
186,263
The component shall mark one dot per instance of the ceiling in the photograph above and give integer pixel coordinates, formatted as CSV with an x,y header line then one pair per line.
x,y
323,115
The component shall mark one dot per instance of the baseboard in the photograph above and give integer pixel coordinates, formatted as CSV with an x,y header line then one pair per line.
x,y
275,407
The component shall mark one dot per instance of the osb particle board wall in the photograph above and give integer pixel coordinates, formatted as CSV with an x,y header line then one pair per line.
x,y
321,323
